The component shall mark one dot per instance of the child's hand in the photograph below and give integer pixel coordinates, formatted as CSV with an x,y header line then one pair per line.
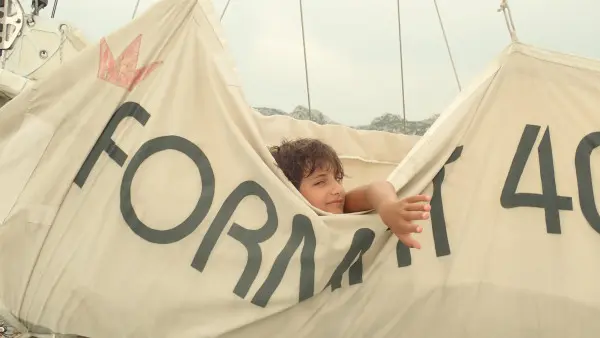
x,y
399,214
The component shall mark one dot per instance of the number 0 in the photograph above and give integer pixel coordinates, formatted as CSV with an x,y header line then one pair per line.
x,y
583,170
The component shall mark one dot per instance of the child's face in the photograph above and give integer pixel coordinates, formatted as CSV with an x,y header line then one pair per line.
x,y
324,191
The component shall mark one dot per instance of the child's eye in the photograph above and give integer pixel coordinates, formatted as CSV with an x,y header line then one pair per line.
x,y
320,183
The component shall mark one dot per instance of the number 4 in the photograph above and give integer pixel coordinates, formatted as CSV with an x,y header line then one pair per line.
x,y
548,199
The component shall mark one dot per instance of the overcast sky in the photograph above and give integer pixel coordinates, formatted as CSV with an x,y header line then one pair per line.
x,y
352,46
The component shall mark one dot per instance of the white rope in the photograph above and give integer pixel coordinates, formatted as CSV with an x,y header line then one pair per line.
x,y
510,24
305,59
137,4
401,65
447,46
224,10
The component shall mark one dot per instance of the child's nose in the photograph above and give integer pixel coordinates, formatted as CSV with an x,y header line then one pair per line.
x,y
338,188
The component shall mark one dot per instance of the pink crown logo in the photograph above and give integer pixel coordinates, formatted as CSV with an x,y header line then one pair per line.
x,y
122,71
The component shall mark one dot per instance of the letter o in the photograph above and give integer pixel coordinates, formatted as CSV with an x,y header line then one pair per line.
x,y
151,147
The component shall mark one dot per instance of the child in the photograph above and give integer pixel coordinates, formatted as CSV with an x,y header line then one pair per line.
x,y
317,172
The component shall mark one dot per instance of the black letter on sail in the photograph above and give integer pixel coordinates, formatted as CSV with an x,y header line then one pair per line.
x,y
362,241
107,144
177,233
250,238
302,231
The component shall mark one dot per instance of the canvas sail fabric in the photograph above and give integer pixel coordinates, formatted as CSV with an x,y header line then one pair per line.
x,y
139,200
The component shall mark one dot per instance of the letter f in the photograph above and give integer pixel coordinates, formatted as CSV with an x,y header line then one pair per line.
x,y
107,144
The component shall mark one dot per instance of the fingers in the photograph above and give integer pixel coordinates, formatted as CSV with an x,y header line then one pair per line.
x,y
417,199
409,241
415,228
406,235
410,209
417,207
415,215
410,228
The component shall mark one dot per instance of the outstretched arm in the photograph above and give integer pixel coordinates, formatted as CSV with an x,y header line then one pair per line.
x,y
396,214
369,197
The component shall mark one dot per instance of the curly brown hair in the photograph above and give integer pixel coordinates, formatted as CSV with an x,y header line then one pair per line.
x,y
300,158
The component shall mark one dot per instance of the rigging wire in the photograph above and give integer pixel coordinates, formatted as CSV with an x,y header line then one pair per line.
x,y
305,59
510,24
224,10
401,66
54,9
447,46
137,4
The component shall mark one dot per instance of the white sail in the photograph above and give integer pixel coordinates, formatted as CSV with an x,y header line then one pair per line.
x,y
139,200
